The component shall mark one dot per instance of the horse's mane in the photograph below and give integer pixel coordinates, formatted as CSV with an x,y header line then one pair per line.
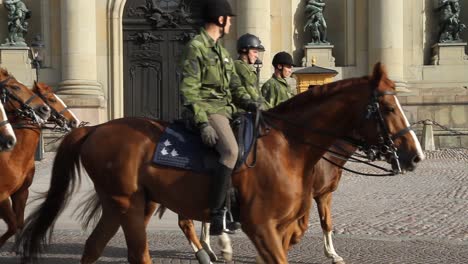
x,y
316,93
4,72
43,87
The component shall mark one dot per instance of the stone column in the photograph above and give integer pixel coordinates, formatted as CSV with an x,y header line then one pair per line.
x,y
386,36
79,87
254,17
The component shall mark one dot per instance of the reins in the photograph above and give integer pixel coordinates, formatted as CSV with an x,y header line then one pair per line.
x,y
385,147
337,154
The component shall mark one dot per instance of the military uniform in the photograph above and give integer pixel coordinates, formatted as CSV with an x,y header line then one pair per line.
x,y
248,77
275,91
210,83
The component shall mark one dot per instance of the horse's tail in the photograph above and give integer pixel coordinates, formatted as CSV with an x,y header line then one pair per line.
x,y
65,175
89,211
160,211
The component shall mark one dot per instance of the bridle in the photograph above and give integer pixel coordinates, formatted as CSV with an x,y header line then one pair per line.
x,y
58,117
385,146
25,110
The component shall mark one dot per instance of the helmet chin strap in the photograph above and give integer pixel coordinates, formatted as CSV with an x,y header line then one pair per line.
x,y
223,26
281,71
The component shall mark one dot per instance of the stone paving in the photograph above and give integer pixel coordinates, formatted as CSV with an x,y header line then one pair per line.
x,y
419,217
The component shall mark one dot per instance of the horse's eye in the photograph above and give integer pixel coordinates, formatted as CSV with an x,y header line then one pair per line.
x,y
15,87
390,109
52,100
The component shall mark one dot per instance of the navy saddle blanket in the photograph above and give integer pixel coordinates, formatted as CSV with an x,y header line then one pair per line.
x,y
181,148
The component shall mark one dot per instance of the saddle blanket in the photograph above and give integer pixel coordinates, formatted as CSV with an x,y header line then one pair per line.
x,y
181,148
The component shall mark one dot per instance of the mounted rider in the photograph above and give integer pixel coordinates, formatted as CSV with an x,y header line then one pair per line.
x,y
276,89
210,91
250,50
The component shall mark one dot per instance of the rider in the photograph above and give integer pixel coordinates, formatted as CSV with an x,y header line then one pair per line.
x,y
209,89
277,89
250,50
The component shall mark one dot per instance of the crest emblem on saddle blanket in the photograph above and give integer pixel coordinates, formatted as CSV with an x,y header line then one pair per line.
x,y
167,150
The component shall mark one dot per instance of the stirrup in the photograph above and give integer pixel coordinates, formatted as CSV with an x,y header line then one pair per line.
x,y
232,226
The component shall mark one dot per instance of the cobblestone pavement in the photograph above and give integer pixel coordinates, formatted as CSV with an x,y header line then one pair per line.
x,y
419,217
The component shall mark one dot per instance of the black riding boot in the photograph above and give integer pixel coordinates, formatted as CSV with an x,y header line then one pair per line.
x,y
218,190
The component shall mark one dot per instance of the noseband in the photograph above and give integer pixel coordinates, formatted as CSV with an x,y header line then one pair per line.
x,y
4,123
385,146
25,109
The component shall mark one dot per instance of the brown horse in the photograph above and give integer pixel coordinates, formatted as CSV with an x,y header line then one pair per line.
x,y
18,165
326,176
7,136
273,195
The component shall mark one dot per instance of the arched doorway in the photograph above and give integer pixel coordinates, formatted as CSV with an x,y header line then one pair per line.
x,y
154,35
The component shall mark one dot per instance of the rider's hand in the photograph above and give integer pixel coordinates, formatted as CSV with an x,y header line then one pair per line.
x,y
208,135
254,105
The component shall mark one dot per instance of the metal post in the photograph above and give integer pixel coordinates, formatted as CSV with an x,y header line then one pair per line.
x,y
40,149
428,136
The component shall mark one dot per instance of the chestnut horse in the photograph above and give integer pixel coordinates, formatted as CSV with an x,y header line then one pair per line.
x,y
7,136
18,165
326,176
273,195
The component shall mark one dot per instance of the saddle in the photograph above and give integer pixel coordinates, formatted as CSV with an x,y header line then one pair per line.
x,y
181,146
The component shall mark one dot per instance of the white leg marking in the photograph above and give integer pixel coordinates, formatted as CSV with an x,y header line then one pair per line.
x,y
205,240
329,248
226,246
416,141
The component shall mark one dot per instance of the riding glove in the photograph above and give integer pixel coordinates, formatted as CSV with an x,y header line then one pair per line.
x,y
208,135
254,105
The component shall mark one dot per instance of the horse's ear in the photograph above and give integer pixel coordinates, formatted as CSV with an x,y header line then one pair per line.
x,y
379,73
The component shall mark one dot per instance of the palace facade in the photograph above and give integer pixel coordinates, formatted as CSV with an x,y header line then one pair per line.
x,y
115,58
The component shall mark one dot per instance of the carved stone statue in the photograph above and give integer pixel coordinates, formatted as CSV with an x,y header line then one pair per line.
x,y
18,13
315,22
449,24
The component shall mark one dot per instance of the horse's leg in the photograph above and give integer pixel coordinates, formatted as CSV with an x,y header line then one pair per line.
x,y
187,226
105,229
267,241
224,241
133,225
149,211
19,199
6,212
323,206
205,240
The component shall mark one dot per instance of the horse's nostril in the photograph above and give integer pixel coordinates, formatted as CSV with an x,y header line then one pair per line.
x,y
74,123
10,142
416,159
45,109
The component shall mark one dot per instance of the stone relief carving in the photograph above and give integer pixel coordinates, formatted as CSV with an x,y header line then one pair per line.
x,y
164,13
315,21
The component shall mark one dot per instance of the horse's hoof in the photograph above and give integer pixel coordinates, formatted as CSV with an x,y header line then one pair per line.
x,y
259,260
227,255
210,252
203,257
338,262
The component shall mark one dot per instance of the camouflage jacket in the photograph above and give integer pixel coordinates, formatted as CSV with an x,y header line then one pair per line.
x,y
248,77
275,91
210,84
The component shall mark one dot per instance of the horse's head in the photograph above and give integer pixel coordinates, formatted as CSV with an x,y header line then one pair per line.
x,y
386,130
7,135
61,115
19,99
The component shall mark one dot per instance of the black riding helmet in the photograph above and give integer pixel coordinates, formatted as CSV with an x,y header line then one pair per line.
x,y
282,58
213,9
249,41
